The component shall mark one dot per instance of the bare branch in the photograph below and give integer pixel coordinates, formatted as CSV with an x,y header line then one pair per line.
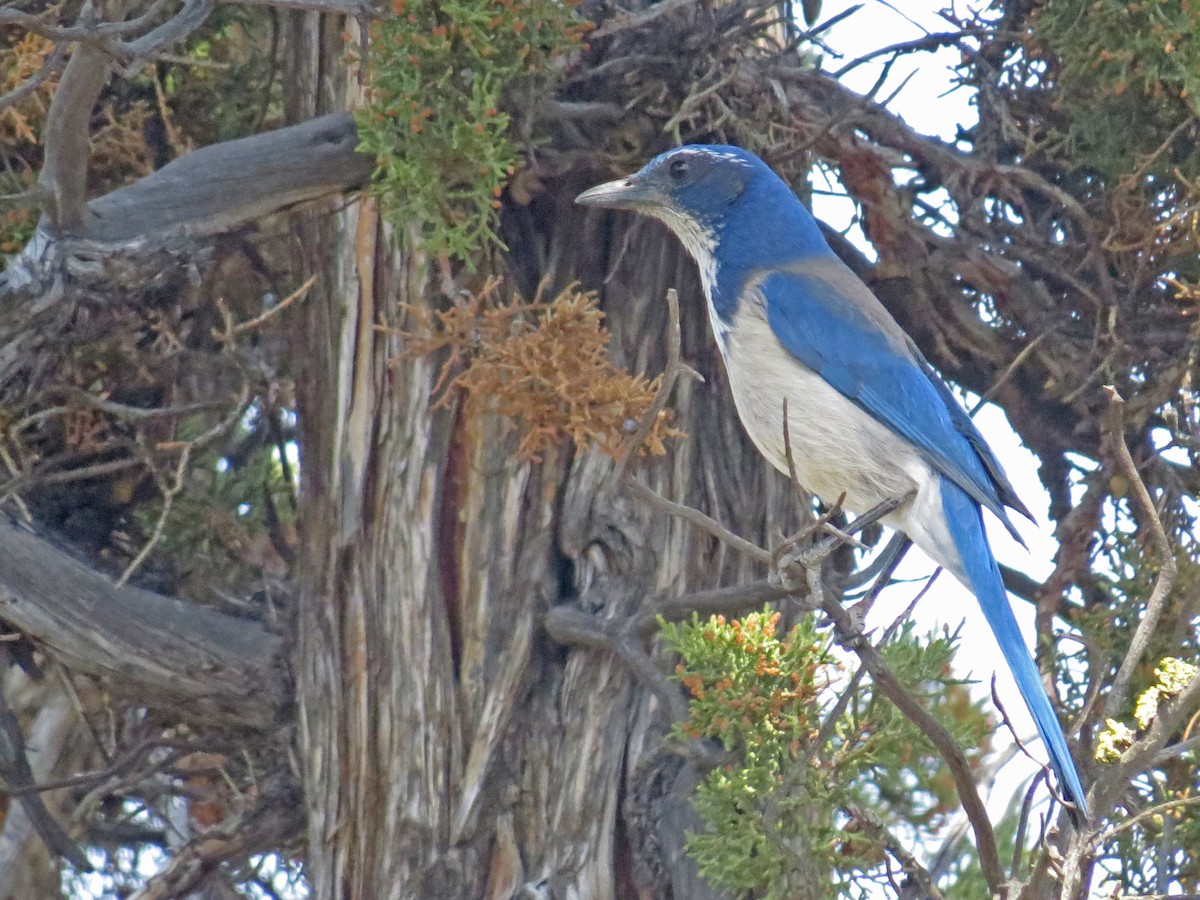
x,y
217,188
948,749
93,32
18,777
160,650
53,64
1114,436
194,864
66,133
194,14
871,823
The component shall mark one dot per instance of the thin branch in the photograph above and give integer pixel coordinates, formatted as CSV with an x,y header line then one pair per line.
x,y
948,749
922,44
1177,749
872,824
671,373
1150,812
1114,438
697,518
1011,369
1020,744
730,601
52,66
93,32
169,492
234,329
839,708
1023,820
176,29
18,779
193,864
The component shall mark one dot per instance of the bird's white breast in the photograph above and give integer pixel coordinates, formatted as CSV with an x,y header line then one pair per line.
x,y
837,447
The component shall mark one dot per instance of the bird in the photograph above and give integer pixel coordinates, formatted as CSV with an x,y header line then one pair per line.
x,y
869,420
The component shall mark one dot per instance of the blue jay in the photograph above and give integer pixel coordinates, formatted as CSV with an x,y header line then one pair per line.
x,y
867,415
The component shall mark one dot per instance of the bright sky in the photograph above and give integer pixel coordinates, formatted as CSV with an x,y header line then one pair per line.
x,y
925,104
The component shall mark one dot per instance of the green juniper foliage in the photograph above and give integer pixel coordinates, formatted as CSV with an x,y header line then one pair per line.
x,y
1137,63
784,814
442,74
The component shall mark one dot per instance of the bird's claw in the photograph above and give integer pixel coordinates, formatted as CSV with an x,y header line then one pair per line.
x,y
858,616
789,570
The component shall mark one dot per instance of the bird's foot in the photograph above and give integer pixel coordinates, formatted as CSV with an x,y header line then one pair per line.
x,y
788,571
857,613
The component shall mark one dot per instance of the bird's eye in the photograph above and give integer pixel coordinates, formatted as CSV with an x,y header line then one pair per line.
x,y
678,169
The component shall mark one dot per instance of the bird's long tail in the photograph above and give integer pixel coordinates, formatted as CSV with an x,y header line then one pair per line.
x,y
965,522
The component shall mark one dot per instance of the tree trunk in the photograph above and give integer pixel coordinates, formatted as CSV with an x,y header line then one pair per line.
x,y
450,748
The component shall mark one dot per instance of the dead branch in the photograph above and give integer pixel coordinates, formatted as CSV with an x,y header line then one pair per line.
x,y
159,650
951,753
66,134
273,824
217,188
18,778
921,876
1114,434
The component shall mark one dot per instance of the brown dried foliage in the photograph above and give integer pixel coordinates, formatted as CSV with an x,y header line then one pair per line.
x,y
19,60
544,364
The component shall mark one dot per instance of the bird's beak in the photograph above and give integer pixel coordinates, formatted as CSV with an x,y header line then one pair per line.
x,y
624,193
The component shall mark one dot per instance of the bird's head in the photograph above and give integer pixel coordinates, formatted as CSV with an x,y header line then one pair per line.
x,y
722,202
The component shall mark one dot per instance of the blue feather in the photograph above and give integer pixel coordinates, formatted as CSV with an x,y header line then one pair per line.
x,y
983,575
814,321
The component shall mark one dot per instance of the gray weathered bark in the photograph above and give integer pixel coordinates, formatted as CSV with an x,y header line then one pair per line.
x,y
165,651
451,750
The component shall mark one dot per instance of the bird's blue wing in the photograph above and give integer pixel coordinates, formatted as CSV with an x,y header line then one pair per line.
x,y
833,324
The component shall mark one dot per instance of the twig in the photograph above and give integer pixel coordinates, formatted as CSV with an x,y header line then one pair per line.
x,y
1023,821
731,601
1114,439
915,870
881,569
802,498
925,43
18,778
52,65
233,329
948,749
1011,369
139,51
65,477
169,493
119,410
895,553
843,701
90,31
1178,749
670,374
1125,824
697,518
1045,769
